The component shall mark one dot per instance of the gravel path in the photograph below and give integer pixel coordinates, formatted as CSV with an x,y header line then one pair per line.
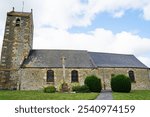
x,y
105,95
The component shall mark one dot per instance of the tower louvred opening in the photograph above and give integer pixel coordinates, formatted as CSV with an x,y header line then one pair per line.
x,y
17,22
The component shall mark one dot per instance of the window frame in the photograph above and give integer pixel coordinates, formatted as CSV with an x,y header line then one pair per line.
x,y
74,76
131,75
50,76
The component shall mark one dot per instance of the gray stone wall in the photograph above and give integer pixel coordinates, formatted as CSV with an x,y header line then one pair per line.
x,y
141,77
8,79
35,78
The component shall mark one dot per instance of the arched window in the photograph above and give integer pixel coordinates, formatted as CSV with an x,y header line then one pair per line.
x,y
17,22
131,75
74,76
50,76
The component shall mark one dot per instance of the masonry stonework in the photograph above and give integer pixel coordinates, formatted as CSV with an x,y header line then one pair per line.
x,y
142,80
35,78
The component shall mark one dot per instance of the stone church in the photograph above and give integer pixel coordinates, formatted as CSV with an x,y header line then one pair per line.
x,y
23,68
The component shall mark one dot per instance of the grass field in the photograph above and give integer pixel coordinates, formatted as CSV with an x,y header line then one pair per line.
x,y
39,95
133,95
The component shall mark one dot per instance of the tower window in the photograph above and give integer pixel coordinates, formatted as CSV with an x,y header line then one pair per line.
x,y
50,76
17,22
74,76
131,75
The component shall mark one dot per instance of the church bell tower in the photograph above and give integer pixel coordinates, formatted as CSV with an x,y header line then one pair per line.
x,y
17,43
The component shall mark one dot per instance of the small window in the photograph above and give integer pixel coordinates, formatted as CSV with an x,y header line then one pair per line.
x,y
17,22
74,76
131,75
50,76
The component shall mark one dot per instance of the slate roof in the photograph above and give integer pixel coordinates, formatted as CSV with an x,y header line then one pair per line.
x,y
52,59
116,60
80,59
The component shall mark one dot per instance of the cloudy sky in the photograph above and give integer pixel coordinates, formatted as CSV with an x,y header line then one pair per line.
x,y
113,26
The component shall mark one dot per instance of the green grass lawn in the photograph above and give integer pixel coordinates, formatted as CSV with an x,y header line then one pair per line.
x,y
39,95
133,95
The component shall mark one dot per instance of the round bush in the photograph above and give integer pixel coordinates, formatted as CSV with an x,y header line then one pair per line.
x,y
120,83
93,83
50,89
81,89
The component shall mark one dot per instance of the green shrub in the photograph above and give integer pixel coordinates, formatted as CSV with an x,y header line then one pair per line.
x,y
81,89
75,84
49,89
120,83
93,83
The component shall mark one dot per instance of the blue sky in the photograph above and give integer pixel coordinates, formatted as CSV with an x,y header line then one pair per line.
x,y
113,26
132,21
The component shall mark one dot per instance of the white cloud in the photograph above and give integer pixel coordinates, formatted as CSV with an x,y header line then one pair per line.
x,y
65,14
131,43
55,38
146,14
145,60
118,14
